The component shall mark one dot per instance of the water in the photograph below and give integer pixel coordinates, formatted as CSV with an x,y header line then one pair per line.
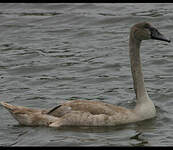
x,y
51,53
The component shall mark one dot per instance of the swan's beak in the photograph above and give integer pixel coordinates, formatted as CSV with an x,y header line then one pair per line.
x,y
155,34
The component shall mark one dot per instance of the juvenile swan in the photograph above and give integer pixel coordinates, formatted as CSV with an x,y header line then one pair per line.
x,y
96,113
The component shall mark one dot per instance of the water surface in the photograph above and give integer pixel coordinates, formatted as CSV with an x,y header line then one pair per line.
x,y
52,53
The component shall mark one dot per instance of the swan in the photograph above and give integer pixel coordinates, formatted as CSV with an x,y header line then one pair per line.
x,y
97,113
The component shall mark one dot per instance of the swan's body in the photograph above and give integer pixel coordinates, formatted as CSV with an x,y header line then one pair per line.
x,y
96,113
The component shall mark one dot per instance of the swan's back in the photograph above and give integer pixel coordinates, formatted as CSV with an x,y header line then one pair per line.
x,y
93,107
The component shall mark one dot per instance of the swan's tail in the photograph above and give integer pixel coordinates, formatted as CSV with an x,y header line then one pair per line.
x,y
18,109
8,106
30,116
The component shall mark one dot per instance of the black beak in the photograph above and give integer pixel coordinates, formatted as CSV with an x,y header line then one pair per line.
x,y
155,34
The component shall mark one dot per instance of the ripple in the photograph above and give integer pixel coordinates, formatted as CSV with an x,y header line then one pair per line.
x,y
51,53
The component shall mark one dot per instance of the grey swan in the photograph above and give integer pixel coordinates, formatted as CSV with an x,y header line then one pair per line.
x,y
97,113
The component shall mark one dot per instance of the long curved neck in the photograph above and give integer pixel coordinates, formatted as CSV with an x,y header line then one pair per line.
x,y
136,68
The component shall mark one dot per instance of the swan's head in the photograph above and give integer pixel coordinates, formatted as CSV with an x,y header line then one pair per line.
x,y
145,31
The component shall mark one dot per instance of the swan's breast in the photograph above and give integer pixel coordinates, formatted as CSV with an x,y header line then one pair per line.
x,y
145,110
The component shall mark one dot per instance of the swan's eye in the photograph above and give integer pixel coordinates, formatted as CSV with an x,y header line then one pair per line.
x,y
146,27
